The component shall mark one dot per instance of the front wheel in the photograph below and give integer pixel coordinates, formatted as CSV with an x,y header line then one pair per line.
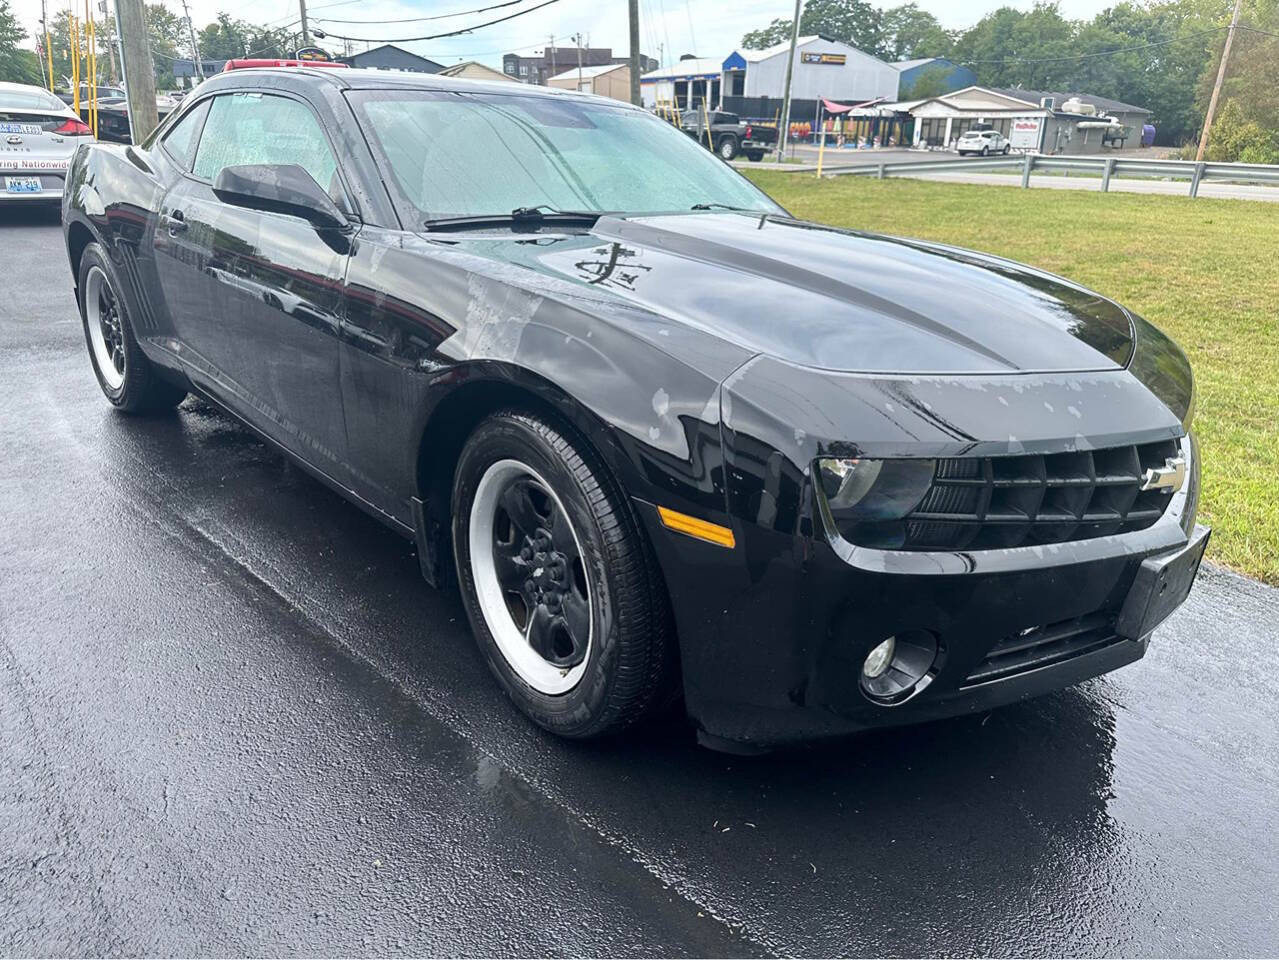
x,y
560,588
1006,147
985,151
125,375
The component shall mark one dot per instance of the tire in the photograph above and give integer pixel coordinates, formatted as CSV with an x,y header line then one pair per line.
x,y
560,586
985,150
126,376
755,156
727,148
1006,148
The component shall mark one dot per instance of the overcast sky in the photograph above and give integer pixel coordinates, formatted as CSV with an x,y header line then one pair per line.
x,y
710,28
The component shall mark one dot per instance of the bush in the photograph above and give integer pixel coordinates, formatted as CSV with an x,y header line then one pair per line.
x,y
1237,139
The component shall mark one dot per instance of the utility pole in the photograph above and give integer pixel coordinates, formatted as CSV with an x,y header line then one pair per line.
x,y
553,70
111,41
306,34
195,49
635,52
1216,87
48,45
577,40
139,68
784,130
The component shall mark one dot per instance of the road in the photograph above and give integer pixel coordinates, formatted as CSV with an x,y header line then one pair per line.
x,y
233,720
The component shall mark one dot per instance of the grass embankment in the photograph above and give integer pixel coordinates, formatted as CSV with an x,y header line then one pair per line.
x,y
1204,271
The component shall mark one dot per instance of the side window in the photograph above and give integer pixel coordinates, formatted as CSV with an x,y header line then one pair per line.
x,y
179,143
261,128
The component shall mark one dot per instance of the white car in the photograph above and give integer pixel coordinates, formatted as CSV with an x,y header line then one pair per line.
x,y
38,135
983,142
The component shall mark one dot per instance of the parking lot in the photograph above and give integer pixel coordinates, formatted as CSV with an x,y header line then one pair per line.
x,y
233,720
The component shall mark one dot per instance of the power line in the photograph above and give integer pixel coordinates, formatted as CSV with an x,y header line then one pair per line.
x,y
437,36
441,16
1100,53
1264,33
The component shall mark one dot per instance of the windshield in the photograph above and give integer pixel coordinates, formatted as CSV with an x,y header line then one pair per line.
x,y
469,154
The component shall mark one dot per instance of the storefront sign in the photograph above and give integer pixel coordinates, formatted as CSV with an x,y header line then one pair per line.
x,y
834,59
313,54
1025,132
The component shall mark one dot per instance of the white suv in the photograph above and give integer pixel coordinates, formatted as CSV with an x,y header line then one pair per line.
x,y
984,142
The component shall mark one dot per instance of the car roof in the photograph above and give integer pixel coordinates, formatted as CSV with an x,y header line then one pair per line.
x,y
365,79
6,87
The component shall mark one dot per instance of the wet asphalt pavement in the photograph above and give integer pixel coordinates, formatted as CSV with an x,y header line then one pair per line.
x,y
233,720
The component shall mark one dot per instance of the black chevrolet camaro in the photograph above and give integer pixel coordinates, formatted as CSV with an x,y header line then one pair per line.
x,y
668,441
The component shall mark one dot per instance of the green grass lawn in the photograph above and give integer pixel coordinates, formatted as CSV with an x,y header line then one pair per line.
x,y
1205,271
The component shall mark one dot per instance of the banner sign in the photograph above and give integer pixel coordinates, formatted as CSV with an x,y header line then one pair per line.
x,y
835,59
1025,132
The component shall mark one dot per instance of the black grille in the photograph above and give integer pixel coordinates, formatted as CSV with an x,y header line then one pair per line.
x,y
985,502
1041,646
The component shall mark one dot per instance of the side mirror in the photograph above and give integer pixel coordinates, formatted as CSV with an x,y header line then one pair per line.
x,y
278,188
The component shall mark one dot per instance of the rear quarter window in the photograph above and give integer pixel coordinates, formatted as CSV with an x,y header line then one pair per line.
x,y
33,99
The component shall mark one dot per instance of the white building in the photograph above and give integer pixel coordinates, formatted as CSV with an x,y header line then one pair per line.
x,y
823,68
1048,122
606,80
688,82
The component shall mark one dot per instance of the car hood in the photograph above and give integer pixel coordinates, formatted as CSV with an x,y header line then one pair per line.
x,y
835,299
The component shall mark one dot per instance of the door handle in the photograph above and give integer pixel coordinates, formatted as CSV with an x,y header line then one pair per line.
x,y
176,222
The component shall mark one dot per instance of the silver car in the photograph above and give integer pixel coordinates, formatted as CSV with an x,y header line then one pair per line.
x,y
38,135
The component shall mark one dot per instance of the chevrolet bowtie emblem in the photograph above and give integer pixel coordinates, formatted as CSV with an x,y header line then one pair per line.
x,y
1169,477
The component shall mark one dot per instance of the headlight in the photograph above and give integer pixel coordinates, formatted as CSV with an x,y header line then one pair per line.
x,y
868,499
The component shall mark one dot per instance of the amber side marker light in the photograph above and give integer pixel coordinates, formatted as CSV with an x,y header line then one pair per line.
x,y
693,527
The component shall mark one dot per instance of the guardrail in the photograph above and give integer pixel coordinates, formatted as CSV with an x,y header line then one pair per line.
x,y
1105,167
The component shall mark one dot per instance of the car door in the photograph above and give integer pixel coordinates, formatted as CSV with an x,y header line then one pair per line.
x,y
257,296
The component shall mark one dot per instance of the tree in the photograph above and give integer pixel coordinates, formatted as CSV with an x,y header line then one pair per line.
x,y
227,38
910,33
852,21
17,64
1246,128
168,35
1163,79
999,46
932,82
1236,138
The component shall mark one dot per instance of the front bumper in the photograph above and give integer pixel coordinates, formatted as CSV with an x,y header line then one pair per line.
x,y
773,641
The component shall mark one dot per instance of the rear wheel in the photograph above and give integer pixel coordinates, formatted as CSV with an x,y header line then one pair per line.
x,y
727,147
560,588
125,375
755,156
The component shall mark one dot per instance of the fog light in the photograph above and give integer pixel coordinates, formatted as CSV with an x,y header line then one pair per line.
x,y
900,667
879,659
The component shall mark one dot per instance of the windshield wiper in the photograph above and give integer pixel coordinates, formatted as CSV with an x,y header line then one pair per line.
x,y
723,206
542,213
